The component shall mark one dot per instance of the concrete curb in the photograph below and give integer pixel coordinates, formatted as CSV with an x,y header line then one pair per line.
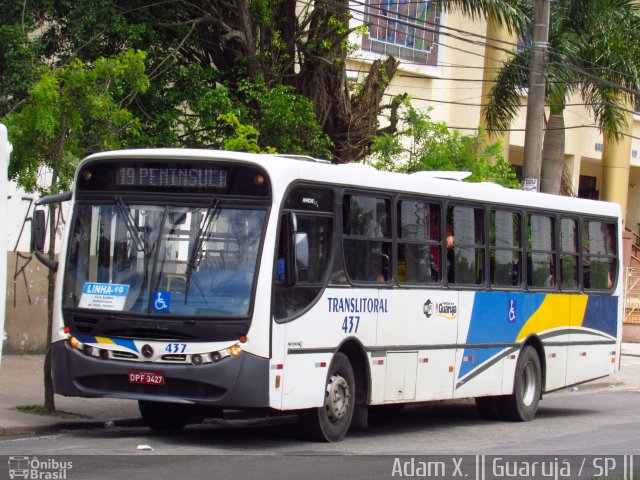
x,y
21,430
629,354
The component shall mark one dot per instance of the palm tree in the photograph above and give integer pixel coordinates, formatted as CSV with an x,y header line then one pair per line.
x,y
594,51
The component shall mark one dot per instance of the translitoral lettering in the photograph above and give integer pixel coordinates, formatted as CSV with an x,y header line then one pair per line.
x,y
358,305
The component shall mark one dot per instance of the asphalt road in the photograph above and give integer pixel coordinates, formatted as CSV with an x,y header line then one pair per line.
x,y
602,421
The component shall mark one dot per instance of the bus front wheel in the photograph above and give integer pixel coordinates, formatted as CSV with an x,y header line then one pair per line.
x,y
165,417
522,404
331,422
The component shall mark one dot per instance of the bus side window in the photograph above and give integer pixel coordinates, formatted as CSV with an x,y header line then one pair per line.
x,y
465,245
419,242
599,255
367,238
505,248
311,225
541,251
569,253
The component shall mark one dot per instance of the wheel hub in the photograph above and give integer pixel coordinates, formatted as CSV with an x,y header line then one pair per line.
x,y
338,398
528,384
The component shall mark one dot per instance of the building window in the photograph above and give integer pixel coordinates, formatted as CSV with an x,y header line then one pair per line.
x,y
404,29
587,188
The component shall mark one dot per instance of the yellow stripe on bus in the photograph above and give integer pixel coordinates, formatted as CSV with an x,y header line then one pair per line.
x,y
556,311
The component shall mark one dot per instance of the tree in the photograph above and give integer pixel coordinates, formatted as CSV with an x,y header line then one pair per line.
x,y
212,57
428,145
69,112
594,50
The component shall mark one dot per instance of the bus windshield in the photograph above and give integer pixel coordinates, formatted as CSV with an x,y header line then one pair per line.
x,y
163,259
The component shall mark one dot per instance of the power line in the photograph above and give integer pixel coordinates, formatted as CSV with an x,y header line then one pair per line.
x,y
408,21
467,104
437,28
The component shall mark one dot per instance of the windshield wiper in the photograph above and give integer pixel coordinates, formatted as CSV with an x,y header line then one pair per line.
x,y
193,263
130,223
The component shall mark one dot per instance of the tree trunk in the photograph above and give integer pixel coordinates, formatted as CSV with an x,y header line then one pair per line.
x,y
49,400
553,154
351,121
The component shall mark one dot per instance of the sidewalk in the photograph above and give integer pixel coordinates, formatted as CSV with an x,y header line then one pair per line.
x,y
21,385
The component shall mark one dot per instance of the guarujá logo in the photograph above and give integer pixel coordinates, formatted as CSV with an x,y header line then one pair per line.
x,y
447,310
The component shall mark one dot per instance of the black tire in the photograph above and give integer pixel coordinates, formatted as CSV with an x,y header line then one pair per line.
x,y
331,422
522,404
488,408
165,417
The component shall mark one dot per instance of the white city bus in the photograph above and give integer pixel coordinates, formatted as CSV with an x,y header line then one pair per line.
x,y
191,279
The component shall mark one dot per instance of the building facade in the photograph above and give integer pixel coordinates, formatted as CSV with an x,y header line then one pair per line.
x,y
447,67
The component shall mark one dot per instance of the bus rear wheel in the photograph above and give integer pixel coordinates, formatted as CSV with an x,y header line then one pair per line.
x,y
522,404
165,417
331,422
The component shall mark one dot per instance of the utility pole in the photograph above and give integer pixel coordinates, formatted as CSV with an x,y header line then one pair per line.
x,y
534,129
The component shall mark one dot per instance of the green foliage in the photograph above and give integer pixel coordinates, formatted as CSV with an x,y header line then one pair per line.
x,y
196,110
34,409
70,112
18,60
425,144
193,83
241,137
285,119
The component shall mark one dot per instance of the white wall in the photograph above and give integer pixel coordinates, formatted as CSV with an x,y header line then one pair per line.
x,y
5,150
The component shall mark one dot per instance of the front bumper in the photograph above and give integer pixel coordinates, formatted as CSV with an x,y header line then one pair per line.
x,y
234,382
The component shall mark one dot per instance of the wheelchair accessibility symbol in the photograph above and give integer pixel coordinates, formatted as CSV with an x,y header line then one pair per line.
x,y
161,301
512,311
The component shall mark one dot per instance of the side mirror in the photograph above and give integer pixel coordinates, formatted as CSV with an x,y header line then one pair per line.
x,y
38,231
301,255
38,234
39,228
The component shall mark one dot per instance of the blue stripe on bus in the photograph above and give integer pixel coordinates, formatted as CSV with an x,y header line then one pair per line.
x,y
491,323
602,314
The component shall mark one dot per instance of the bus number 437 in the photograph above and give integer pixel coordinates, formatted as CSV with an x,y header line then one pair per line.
x,y
350,324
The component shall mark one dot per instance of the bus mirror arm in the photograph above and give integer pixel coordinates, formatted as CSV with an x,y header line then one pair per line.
x,y
57,198
51,264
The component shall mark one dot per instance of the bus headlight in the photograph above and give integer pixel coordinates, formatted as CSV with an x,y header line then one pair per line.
x,y
234,350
